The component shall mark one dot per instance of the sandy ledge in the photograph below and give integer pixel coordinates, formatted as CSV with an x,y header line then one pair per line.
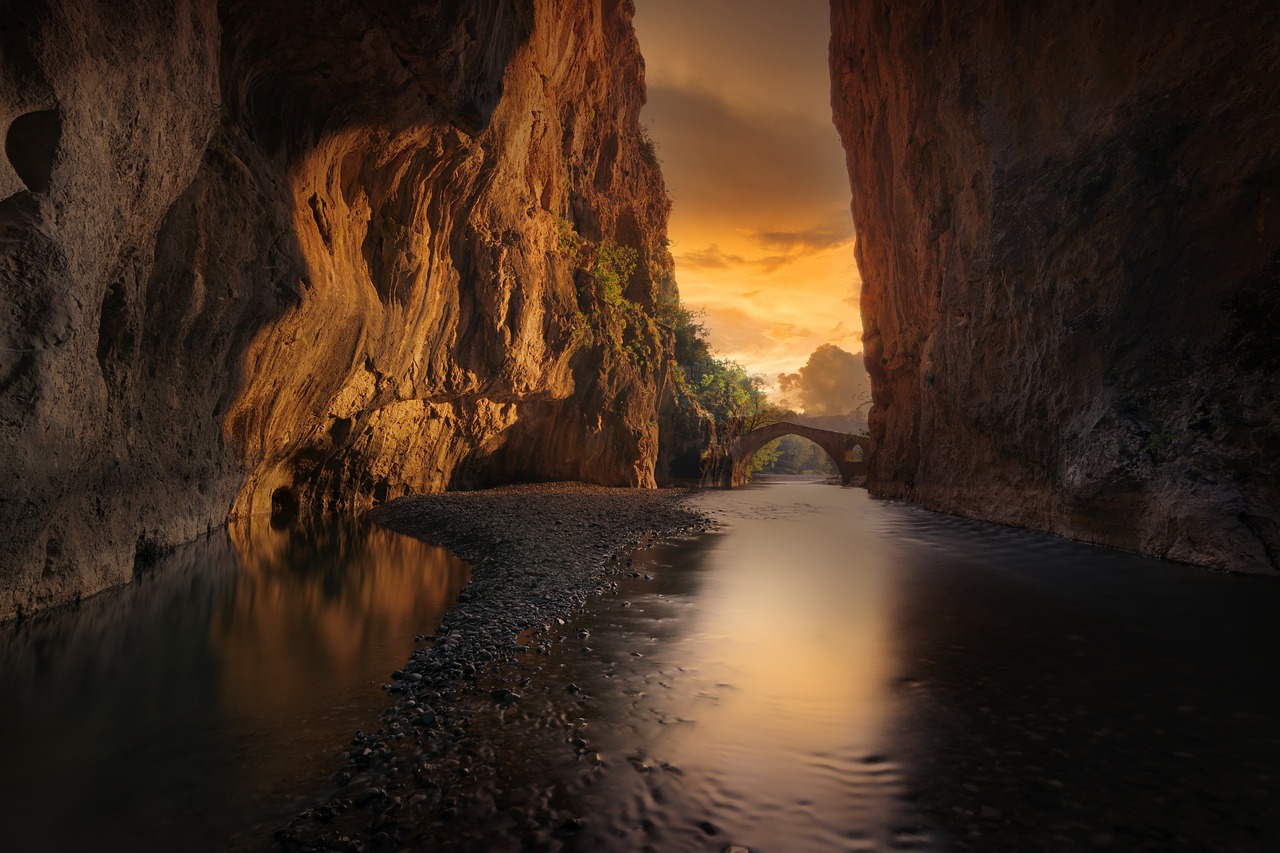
x,y
539,553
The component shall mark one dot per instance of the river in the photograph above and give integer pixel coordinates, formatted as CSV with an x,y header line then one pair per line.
x,y
203,705
824,672
832,672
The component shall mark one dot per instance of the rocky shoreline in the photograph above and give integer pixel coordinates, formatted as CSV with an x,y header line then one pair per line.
x,y
539,553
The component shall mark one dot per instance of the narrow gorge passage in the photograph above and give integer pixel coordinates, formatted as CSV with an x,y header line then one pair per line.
x,y
504,276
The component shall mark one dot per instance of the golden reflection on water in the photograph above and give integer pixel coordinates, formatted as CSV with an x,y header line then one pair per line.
x,y
824,641
759,664
312,609
205,704
795,621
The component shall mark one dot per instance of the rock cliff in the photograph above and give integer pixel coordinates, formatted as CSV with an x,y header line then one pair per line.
x,y
264,257
1069,236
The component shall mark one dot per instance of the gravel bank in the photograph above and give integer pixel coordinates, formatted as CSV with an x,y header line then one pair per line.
x,y
539,552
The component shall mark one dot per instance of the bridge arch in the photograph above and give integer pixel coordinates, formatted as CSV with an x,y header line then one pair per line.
x,y
848,452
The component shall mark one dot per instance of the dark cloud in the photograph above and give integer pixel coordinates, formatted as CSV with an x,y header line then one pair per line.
x,y
816,239
751,50
723,162
788,246
712,258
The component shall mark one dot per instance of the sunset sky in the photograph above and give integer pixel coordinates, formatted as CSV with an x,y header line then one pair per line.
x,y
739,103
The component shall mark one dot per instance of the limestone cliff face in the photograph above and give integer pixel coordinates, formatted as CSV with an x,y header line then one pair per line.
x,y
1069,236
261,255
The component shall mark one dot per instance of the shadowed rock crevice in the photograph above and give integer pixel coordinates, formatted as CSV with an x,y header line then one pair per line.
x,y
31,145
117,332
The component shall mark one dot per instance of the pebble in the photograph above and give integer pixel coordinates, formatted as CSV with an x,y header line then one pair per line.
x,y
530,570
370,795
570,826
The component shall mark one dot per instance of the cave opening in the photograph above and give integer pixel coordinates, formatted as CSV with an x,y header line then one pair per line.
x,y
284,507
31,145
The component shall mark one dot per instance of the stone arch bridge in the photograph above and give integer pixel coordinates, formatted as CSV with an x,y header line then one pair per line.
x,y
848,452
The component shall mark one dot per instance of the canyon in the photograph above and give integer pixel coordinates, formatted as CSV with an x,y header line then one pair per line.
x,y
1068,222
261,259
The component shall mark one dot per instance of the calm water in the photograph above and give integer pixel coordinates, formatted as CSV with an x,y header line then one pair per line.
x,y
211,700
826,672
829,672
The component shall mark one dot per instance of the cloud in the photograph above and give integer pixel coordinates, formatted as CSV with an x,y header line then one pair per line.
x,y
788,247
832,382
841,331
816,239
739,103
735,331
785,333
726,164
754,53
710,258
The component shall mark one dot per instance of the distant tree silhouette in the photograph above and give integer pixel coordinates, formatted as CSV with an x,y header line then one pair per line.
x,y
832,382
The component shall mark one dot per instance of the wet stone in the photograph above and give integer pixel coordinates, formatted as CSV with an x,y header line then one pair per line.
x,y
527,572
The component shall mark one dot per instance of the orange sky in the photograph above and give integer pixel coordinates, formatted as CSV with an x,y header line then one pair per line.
x,y
739,103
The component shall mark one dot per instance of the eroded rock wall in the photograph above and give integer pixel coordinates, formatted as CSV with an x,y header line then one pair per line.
x,y
1069,236
258,255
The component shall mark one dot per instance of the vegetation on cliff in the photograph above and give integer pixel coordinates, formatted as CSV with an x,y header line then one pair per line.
x,y
332,276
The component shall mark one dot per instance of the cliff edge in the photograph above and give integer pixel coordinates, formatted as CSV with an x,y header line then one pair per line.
x,y
259,257
1068,223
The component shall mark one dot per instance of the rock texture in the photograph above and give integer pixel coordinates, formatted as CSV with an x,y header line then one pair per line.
x,y
1069,237
263,257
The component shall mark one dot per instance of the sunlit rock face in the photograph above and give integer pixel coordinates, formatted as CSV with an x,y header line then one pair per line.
x,y
264,253
1069,235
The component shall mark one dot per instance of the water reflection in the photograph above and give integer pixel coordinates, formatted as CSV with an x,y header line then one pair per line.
x,y
743,696
211,698
830,672
782,671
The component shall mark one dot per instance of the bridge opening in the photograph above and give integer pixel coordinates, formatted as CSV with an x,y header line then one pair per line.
x,y
844,451
793,454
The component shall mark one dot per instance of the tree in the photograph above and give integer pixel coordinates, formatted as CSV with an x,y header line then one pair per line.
x,y
793,454
832,382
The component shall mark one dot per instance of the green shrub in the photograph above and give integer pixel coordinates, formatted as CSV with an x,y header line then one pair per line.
x,y
612,269
648,149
